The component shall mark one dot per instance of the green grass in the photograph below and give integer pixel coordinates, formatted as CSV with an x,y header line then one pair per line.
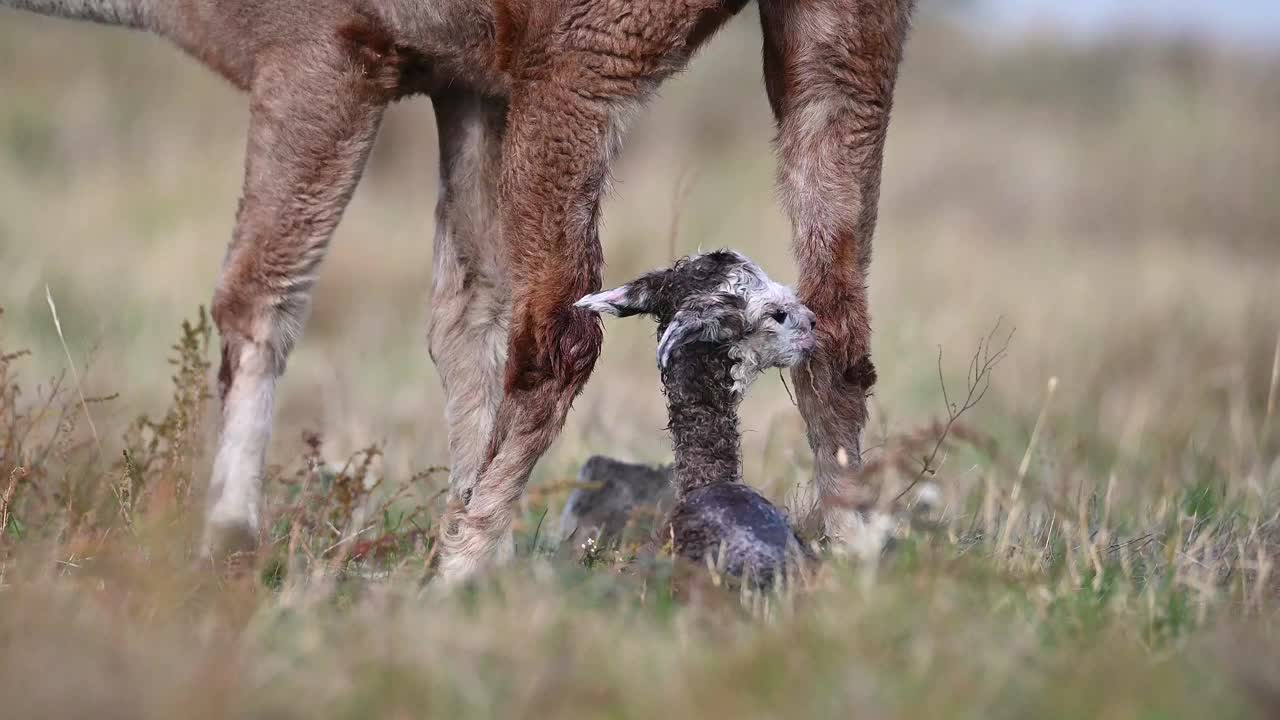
x,y
1024,603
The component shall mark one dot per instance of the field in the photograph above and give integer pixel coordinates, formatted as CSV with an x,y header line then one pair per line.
x,y
1105,549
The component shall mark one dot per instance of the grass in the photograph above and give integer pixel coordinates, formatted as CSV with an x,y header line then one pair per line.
x,y
1020,601
1108,550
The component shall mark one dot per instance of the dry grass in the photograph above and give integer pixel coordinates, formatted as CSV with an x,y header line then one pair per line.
x,y
1109,551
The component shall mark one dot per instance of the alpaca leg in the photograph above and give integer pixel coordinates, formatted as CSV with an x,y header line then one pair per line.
x,y
830,68
563,127
470,302
552,347
313,117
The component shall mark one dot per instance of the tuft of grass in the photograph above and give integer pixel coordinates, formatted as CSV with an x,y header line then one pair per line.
x,y
1026,602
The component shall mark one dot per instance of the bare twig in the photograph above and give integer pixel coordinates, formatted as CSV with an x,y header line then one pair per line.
x,y
37,418
6,500
425,474
985,359
786,387
53,309
345,540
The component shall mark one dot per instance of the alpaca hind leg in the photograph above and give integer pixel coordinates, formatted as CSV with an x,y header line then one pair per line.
x,y
470,301
313,117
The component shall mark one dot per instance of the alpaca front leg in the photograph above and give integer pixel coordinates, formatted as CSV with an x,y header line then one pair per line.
x,y
550,199
830,73
314,113
573,82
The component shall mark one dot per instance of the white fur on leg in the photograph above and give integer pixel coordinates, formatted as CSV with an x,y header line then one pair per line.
x,y
235,490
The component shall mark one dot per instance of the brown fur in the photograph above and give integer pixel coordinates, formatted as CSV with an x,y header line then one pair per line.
x,y
559,76
830,70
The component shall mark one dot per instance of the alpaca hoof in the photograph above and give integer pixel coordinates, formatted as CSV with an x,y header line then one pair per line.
x,y
740,531
227,541
467,551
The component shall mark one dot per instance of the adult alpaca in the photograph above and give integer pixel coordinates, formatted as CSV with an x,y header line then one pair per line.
x,y
530,97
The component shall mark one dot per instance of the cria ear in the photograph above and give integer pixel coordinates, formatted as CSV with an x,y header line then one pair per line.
x,y
625,301
717,318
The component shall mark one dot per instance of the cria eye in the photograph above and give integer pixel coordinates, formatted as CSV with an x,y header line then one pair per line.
x,y
779,316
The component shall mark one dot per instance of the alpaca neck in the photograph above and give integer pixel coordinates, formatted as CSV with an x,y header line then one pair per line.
x,y
703,413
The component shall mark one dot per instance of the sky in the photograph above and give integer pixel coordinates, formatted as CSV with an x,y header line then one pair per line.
x,y
1251,22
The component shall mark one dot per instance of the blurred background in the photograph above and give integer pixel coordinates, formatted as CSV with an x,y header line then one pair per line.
x,y
1103,176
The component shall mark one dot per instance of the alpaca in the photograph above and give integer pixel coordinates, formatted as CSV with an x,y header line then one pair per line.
x,y
721,322
530,97
614,496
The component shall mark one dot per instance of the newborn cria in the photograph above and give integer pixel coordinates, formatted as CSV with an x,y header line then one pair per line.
x,y
721,321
